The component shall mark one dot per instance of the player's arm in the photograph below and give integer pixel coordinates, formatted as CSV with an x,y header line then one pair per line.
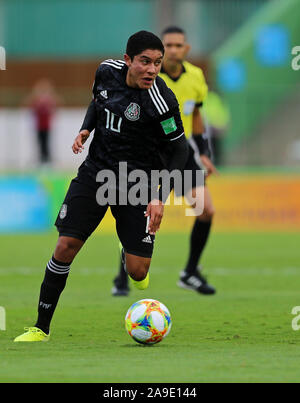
x,y
198,130
89,122
90,119
202,142
198,125
87,127
174,140
179,151
172,137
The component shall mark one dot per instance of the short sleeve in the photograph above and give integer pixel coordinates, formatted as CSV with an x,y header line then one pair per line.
x,y
96,82
169,123
201,87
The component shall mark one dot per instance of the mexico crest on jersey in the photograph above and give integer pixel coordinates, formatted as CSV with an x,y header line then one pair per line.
x,y
132,111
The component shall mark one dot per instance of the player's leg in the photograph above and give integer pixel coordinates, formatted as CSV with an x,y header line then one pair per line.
x,y
55,278
46,151
137,268
137,243
44,145
191,277
56,274
129,265
40,140
121,286
200,232
77,219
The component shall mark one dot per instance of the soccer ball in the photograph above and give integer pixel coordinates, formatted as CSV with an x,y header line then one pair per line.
x,y
148,321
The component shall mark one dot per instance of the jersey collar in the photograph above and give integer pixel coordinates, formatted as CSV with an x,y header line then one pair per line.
x,y
124,74
162,70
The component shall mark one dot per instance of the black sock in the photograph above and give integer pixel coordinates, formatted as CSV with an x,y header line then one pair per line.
x,y
54,282
198,240
122,279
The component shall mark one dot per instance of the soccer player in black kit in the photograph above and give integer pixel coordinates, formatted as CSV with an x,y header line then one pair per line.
x,y
135,116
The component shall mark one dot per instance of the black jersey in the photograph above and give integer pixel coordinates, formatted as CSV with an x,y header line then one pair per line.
x,y
132,125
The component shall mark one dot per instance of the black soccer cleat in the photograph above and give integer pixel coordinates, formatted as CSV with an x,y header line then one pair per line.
x,y
120,288
196,282
120,291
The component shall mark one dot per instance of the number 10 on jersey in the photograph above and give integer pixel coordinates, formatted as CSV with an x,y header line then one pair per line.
x,y
113,122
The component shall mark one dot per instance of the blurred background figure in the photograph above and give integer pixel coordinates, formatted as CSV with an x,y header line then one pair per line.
x,y
43,101
217,119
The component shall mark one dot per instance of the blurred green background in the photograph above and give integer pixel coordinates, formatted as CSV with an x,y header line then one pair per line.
x,y
252,117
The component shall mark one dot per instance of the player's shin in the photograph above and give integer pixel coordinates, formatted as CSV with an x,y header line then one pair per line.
x,y
198,240
137,268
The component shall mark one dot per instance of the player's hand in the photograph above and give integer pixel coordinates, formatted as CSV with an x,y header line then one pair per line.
x,y
82,137
210,168
155,211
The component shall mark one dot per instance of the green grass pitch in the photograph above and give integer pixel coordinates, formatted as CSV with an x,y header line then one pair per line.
x,y
242,334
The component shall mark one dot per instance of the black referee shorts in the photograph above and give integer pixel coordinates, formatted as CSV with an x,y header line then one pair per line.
x,y
80,215
192,165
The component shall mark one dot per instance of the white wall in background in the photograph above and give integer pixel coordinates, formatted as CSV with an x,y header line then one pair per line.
x,y
18,142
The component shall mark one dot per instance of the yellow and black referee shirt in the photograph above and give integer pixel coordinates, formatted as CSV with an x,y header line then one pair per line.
x,y
190,89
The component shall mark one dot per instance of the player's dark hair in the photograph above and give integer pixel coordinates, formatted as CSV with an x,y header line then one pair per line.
x,y
172,30
141,41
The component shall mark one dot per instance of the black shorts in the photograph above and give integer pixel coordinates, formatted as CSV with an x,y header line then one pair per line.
x,y
80,215
194,179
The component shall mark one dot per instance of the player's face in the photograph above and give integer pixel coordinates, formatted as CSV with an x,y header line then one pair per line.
x,y
143,68
175,48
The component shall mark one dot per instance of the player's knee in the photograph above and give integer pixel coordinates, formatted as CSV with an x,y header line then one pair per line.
x,y
67,248
138,271
208,212
211,211
138,275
